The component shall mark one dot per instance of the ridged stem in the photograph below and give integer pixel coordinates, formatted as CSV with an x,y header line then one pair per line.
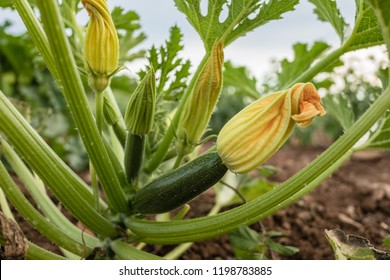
x,y
78,104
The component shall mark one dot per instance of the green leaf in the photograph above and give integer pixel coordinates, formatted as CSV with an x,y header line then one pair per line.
x,y
327,11
253,189
380,139
240,79
282,249
366,32
127,25
352,247
304,56
171,70
244,238
382,8
212,27
339,106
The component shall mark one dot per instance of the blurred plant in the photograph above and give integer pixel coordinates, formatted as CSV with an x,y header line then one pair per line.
x,y
249,244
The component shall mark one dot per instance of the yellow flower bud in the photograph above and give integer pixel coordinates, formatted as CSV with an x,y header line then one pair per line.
x,y
101,50
140,109
201,102
259,130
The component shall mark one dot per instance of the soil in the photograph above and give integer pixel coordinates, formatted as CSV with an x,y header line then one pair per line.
x,y
356,200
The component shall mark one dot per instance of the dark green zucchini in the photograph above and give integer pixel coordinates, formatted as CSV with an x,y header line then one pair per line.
x,y
179,186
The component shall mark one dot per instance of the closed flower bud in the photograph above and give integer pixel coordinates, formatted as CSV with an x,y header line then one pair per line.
x,y
259,130
101,51
201,102
140,110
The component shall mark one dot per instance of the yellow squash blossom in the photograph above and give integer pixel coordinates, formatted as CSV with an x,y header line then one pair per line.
x,y
201,102
259,130
101,51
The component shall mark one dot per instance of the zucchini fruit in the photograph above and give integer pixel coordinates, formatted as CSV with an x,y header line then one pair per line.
x,y
179,186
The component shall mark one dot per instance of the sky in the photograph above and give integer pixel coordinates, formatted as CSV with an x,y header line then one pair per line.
x,y
255,51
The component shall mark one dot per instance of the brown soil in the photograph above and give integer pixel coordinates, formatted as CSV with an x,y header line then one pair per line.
x,y
356,199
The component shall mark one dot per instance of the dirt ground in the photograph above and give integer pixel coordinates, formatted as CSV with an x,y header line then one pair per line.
x,y
356,200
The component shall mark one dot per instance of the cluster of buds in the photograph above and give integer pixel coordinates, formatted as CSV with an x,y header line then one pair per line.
x,y
259,130
201,102
101,51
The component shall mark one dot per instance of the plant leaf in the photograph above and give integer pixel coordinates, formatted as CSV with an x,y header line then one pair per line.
x,y
171,70
382,9
304,56
352,247
127,25
212,27
327,10
339,106
244,238
240,79
366,32
282,249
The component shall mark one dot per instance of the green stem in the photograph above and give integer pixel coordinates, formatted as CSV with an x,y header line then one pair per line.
x,y
178,160
173,232
99,111
124,251
99,123
95,187
4,206
78,104
35,252
32,216
42,200
38,35
62,181
159,154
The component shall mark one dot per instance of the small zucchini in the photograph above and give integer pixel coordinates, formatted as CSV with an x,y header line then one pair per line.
x,y
180,185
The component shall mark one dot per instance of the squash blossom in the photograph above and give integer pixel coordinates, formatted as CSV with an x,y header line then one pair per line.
x,y
101,50
259,130
201,102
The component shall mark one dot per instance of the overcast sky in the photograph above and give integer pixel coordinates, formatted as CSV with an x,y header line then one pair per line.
x,y
255,50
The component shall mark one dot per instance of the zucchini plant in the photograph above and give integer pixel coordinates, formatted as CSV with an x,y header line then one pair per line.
x,y
145,154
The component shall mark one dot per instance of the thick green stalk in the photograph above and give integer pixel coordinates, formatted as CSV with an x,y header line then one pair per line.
x,y
173,232
78,104
124,251
62,181
43,201
4,206
38,35
32,216
35,252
